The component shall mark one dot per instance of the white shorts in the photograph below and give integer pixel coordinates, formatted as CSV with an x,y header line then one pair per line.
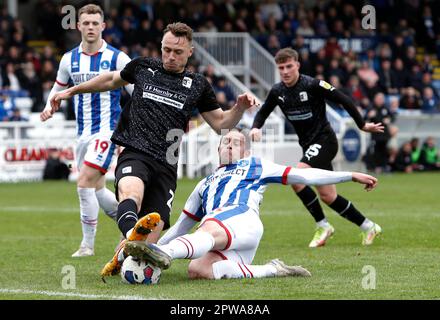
x,y
96,151
244,229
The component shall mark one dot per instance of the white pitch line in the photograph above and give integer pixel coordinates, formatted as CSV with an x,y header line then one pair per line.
x,y
72,295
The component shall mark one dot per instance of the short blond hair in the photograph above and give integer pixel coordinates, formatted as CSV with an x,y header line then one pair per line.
x,y
285,54
91,9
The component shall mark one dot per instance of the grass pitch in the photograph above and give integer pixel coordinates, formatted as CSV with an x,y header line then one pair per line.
x,y
40,229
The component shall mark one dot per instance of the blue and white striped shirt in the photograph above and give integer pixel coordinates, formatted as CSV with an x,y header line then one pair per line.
x,y
95,112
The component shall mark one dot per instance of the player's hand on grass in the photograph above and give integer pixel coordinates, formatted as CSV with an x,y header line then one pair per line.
x,y
255,134
373,127
370,182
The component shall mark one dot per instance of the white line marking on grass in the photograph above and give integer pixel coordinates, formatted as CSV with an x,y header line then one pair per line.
x,y
72,295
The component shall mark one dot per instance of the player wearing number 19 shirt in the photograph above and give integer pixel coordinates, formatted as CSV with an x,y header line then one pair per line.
x,y
302,100
96,116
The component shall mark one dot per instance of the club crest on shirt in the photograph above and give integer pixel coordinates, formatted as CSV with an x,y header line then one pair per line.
x,y
187,82
303,96
105,65
243,163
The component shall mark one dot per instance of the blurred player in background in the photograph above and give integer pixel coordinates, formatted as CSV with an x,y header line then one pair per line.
x,y
227,205
151,126
96,115
302,100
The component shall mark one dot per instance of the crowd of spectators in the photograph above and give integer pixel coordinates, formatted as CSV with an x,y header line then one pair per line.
x,y
395,74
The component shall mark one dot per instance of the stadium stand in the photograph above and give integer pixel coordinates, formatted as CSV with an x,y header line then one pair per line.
x,y
400,58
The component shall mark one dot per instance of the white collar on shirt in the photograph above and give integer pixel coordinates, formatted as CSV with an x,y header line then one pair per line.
x,y
102,49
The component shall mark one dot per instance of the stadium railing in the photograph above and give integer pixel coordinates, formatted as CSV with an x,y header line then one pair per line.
x,y
242,56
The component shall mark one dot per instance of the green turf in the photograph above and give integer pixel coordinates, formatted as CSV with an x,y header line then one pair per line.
x,y
40,229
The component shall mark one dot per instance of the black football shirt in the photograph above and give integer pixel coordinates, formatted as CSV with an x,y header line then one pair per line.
x,y
160,107
304,107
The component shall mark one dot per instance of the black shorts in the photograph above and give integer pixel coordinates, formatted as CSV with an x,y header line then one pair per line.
x,y
321,152
160,182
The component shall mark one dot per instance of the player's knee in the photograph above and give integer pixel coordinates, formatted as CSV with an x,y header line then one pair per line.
x,y
199,270
88,179
131,189
298,187
328,197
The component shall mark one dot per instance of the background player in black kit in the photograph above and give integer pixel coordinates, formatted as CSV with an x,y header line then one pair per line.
x,y
302,100
164,97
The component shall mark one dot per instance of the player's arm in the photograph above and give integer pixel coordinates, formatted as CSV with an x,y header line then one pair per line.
x,y
219,119
262,114
104,82
191,215
60,84
123,60
276,173
312,176
330,93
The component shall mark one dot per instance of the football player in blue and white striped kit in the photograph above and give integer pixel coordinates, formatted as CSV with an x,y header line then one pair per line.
x,y
96,115
226,204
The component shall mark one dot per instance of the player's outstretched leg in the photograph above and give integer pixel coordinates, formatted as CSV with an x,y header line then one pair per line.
x,y
228,269
143,227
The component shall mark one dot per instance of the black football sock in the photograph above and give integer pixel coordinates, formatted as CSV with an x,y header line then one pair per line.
x,y
347,210
127,215
311,202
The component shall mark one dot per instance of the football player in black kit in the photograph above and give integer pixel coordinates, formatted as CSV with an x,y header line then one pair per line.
x,y
302,100
164,97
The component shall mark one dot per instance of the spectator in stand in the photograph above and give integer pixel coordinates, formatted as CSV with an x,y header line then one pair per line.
x,y
16,115
273,44
331,46
387,78
305,29
222,86
334,69
429,155
112,34
30,81
402,74
4,116
415,151
380,114
12,79
403,162
430,103
367,74
410,99
354,89
320,26
398,47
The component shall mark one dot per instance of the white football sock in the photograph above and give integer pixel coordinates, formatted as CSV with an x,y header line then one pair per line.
x,y
190,246
366,225
323,223
89,209
227,269
107,201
